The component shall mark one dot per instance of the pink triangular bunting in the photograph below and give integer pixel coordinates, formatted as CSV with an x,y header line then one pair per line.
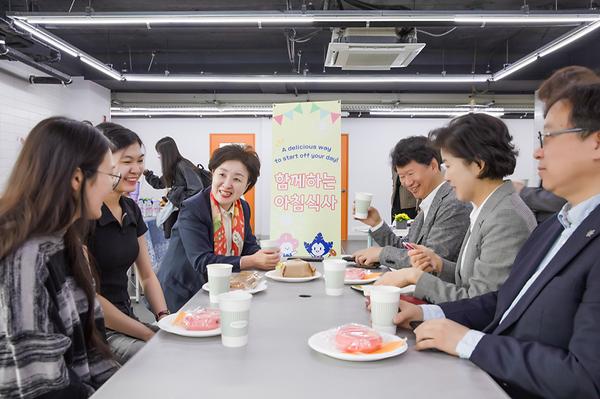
x,y
334,117
278,118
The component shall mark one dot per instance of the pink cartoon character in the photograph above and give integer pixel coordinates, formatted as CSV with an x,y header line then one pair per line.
x,y
287,245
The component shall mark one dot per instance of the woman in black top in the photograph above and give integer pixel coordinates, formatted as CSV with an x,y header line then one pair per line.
x,y
117,242
52,341
179,174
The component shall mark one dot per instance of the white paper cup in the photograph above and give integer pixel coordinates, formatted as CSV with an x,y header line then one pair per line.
x,y
235,317
384,306
269,244
335,271
362,202
272,245
218,280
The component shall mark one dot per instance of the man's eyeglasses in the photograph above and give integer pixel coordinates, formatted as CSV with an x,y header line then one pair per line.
x,y
542,135
116,178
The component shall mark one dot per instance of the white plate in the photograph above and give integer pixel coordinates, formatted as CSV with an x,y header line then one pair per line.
x,y
166,324
261,286
322,343
276,275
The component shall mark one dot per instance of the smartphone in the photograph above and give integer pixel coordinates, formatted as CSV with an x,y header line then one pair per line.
x,y
408,245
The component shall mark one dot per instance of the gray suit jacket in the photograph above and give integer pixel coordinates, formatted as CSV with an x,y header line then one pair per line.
x,y
443,230
501,228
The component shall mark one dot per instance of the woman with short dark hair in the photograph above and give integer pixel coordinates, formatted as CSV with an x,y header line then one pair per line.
x,y
478,153
179,174
51,325
214,227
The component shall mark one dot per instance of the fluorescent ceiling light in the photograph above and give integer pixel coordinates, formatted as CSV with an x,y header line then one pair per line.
x,y
551,47
268,109
67,48
194,111
435,111
250,110
527,19
568,38
512,68
23,22
100,67
183,113
297,18
291,79
431,113
47,38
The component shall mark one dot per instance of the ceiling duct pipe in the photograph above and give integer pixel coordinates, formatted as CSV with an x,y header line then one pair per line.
x,y
56,77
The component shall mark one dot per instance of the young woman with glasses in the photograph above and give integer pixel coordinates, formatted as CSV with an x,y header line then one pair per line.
x,y
118,242
51,325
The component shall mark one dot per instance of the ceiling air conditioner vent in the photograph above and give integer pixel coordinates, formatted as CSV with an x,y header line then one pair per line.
x,y
369,49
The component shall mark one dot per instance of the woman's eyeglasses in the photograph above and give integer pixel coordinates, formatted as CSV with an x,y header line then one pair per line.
x,y
543,135
116,178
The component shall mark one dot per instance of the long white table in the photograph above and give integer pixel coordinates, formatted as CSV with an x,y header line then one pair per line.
x,y
277,363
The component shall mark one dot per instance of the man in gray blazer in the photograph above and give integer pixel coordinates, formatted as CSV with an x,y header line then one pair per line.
x,y
442,221
478,151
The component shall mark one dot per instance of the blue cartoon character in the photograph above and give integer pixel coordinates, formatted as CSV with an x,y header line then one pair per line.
x,y
319,247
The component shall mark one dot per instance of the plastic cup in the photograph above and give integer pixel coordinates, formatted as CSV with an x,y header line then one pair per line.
x,y
218,280
335,271
362,202
384,306
235,317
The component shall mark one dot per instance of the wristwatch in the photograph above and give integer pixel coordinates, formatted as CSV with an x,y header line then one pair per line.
x,y
162,313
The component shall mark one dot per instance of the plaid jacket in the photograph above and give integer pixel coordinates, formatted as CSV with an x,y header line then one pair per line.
x,y
42,318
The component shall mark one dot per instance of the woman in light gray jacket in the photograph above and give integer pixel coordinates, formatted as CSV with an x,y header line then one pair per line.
x,y
478,153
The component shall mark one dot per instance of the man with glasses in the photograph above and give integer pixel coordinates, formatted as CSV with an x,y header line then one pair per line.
x,y
539,335
542,202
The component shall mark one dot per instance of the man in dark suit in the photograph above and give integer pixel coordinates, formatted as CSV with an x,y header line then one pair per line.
x,y
542,202
539,335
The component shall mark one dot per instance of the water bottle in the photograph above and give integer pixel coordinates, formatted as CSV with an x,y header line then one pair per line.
x,y
156,209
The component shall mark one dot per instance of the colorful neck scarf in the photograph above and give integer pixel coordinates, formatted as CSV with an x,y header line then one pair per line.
x,y
237,228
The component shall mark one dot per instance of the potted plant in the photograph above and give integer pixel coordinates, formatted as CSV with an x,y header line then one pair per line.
x,y
400,220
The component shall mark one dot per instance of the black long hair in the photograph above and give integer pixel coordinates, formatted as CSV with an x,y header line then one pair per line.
x,y
39,200
169,158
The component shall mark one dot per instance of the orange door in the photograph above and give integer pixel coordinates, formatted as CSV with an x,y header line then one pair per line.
x,y
218,140
344,165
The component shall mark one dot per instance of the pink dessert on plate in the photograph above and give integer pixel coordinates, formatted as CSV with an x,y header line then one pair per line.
x,y
354,273
202,320
352,338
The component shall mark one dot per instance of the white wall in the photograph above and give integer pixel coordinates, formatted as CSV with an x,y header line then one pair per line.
x,y
23,105
370,141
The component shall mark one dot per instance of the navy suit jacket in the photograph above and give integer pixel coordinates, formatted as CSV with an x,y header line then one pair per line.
x,y
549,344
191,248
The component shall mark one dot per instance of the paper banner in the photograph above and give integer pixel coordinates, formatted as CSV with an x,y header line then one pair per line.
x,y
305,184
